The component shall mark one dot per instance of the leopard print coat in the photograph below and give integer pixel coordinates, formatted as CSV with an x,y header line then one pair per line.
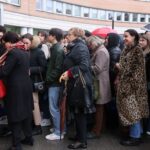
x,y
132,101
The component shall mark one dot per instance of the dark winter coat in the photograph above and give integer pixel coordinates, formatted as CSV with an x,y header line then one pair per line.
x,y
147,64
37,64
78,57
114,52
19,102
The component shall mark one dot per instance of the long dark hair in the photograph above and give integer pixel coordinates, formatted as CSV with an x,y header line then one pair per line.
x,y
135,34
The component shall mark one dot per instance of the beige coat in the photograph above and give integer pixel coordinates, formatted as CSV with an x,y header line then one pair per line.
x,y
132,101
100,67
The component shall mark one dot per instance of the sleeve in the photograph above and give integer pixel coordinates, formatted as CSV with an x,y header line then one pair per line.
x,y
54,74
9,64
80,56
41,61
100,63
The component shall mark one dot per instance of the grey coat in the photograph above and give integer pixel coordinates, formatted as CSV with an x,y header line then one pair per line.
x,y
100,66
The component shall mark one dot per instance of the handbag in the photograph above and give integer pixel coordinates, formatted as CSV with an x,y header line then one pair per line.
x,y
2,90
39,86
80,94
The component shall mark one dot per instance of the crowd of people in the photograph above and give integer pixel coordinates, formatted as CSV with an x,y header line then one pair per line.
x,y
104,83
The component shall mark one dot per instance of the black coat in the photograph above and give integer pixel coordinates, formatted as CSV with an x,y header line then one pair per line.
x,y
19,101
114,53
78,57
147,63
37,65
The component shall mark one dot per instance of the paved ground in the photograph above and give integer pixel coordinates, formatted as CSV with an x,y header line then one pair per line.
x,y
108,141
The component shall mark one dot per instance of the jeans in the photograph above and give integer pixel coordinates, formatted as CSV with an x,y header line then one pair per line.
x,y
53,95
136,130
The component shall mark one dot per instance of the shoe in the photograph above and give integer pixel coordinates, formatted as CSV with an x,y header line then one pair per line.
x,y
53,136
91,135
37,131
148,133
77,145
131,142
45,122
3,120
28,141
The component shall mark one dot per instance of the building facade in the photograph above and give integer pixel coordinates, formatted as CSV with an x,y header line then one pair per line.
x,y
29,16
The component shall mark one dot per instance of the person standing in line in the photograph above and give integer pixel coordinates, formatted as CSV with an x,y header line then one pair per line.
x,y
100,68
145,44
19,100
77,61
37,67
132,101
54,70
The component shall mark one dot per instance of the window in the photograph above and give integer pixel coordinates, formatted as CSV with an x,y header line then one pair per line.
x,y
39,4
149,18
15,2
142,18
118,16
59,7
85,12
126,17
77,11
49,5
68,10
110,15
94,13
102,14
135,18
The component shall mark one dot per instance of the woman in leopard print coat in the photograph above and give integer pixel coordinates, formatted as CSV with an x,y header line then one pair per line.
x,y
132,101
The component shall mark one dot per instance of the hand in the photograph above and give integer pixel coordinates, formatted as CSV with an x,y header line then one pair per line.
x,y
64,77
117,65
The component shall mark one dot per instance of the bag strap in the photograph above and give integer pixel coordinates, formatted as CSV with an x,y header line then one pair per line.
x,y
40,74
82,78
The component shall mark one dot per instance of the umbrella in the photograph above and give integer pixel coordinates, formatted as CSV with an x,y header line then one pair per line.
x,y
62,107
146,27
102,32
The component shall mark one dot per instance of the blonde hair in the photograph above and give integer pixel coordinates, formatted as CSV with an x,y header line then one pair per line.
x,y
94,40
146,37
35,42
77,32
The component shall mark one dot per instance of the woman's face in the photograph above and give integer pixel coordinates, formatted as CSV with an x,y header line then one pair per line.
x,y
128,39
71,36
27,43
143,43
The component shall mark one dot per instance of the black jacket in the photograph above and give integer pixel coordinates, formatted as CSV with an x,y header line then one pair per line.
x,y
78,58
37,64
19,102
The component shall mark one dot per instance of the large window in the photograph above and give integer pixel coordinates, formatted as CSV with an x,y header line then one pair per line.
x,y
135,18
17,2
86,12
77,11
110,15
49,5
39,4
59,7
126,16
102,14
68,10
94,13
142,18
118,16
